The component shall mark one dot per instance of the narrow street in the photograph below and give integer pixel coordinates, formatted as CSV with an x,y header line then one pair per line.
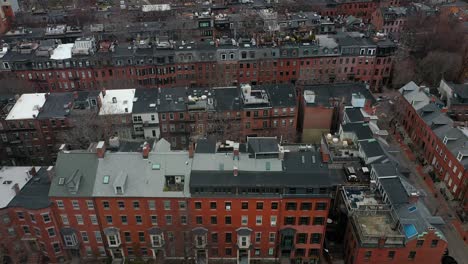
x,y
436,203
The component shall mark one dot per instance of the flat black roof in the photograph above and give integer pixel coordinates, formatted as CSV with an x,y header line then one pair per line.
x,y
57,105
343,91
35,194
146,101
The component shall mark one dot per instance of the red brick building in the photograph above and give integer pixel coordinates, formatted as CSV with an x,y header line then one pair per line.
x,y
440,142
29,230
326,59
188,211
398,231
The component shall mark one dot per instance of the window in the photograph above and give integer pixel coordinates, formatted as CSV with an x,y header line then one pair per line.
x,y
391,254
46,218
434,243
291,206
301,238
227,220
227,206
124,220
318,221
51,232
228,238
168,219
273,219
105,204
90,204
367,255
141,236
198,205
64,219
304,220
259,205
79,219
258,220
245,205
300,252
244,220
93,219
214,220
183,219
212,205
56,247
258,237
20,215
199,220
419,243
289,220
306,206
182,205
167,205
98,236
228,251
26,230
154,220
109,219
315,238
113,240
136,205
152,205
121,205
321,206
274,205
76,205
60,205
272,237
412,255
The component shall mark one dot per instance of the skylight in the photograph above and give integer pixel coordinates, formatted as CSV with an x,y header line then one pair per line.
x,y
105,180
156,167
61,181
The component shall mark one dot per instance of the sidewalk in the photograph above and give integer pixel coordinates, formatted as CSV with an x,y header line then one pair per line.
x,y
434,200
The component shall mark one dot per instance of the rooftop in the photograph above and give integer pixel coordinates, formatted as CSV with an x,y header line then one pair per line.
x,y
27,106
115,102
35,194
12,181
344,91
145,101
57,105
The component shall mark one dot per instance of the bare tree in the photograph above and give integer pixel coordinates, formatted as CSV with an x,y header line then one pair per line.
x,y
437,65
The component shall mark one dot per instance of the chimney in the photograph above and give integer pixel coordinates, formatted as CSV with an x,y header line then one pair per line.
x,y
236,151
191,150
16,188
51,173
101,149
413,198
63,147
382,241
235,171
146,150
32,171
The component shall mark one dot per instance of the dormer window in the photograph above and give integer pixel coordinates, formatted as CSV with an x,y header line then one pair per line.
x,y
445,140
459,156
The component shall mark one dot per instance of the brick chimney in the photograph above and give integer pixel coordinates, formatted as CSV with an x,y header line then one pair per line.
x,y
16,188
235,171
236,151
32,171
382,241
191,150
101,149
413,198
51,173
146,150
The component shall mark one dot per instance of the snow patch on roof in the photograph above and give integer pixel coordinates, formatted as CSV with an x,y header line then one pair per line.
x,y
62,52
9,176
116,102
27,106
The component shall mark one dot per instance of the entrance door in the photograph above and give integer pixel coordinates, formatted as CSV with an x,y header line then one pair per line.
x,y
201,257
243,256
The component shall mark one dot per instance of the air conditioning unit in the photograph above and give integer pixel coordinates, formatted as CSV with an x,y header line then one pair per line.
x,y
228,207
178,179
